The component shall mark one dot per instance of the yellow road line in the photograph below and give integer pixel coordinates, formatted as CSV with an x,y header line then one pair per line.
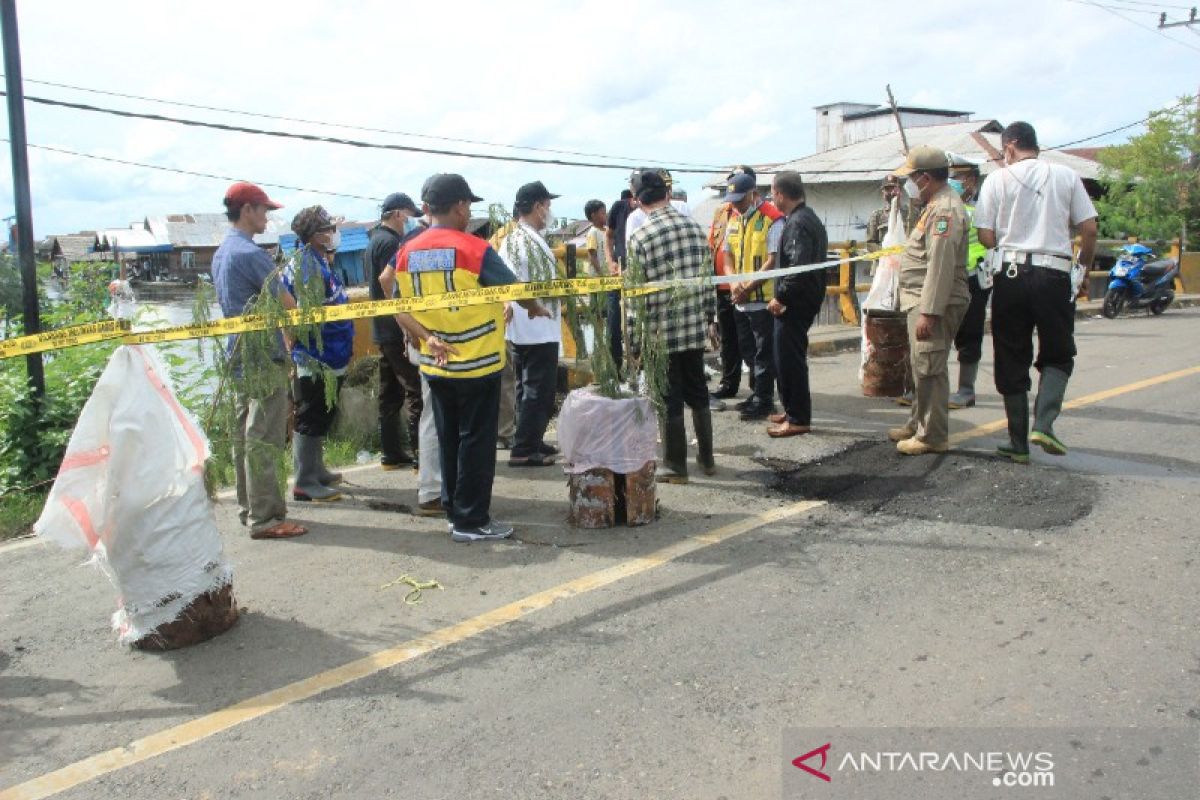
x,y
1080,402
195,730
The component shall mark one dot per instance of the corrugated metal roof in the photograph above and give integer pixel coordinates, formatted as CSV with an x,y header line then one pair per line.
x,y
874,159
204,230
76,247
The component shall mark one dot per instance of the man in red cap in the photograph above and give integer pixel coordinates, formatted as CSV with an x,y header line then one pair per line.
x,y
241,270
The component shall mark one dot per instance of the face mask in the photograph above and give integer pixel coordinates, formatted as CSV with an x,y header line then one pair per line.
x,y
912,190
957,186
548,219
410,225
335,239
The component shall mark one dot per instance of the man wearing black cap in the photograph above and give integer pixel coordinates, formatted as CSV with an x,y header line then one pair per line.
x,y
399,380
462,351
670,245
535,340
752,245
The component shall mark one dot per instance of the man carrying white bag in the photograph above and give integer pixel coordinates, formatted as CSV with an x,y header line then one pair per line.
x,y
131,490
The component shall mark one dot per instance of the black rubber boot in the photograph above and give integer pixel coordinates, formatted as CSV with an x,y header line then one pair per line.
x,y
702,422
306,453
674,464
1051,390
1016,408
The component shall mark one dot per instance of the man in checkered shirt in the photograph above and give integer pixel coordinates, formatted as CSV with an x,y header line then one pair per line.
x,y
671,246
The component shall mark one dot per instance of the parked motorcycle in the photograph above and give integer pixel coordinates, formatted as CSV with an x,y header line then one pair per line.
x,y
1135,282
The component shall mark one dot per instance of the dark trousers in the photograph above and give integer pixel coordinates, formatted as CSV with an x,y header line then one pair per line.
x,y
536,368
466,411
313,416
969,339
755,331
399,388
731,354
791,362
612,318
686,384
1037,298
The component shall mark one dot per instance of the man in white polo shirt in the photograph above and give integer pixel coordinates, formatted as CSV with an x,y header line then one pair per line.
x,y
535,340
1029,211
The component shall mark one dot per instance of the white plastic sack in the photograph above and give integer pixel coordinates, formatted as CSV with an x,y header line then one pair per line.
x,y
131,490
885,285
597,432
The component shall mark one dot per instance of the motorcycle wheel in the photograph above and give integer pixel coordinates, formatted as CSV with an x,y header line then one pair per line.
x,y
1159,306
1114,302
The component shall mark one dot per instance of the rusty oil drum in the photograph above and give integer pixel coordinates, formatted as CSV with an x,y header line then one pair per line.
x,y
885,373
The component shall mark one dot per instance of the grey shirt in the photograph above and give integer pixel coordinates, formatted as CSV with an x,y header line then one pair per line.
x,y
240,271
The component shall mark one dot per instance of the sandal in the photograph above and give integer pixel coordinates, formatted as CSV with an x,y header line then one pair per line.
x,y
535,460
280,530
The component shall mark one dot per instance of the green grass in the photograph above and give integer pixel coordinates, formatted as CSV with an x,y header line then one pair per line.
x,y
18,512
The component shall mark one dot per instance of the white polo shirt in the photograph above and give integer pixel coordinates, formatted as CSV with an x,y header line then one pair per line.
x,y
637,218
530,258
1032,206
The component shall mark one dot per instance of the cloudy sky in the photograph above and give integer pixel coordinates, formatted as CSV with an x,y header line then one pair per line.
x,y
651,82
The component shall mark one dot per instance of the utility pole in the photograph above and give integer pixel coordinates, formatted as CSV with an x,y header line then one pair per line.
x,y
896,114
1191,20
24,206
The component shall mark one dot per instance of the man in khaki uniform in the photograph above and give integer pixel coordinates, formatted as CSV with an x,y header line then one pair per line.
x,y
877,223
934,293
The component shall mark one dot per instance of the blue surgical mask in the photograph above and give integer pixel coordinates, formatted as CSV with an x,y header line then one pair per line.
x,y
410,225
956,185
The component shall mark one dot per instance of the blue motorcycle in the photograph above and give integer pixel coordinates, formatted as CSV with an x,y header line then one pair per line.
x,y
1135,282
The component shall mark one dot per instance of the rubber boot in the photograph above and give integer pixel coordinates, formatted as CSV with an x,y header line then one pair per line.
x,y
965,396
306,452
391,443
1046,408
702,422
1016,408
326,476
674,464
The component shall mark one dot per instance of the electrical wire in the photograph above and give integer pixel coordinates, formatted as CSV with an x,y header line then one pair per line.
x,y
345,126
225,178
308,137
1142,121
1135,22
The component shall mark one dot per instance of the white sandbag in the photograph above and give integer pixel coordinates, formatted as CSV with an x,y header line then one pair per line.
x,y
885,284
597,432
131,490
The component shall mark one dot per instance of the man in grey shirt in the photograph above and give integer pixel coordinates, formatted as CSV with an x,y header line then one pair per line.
x,y
241,270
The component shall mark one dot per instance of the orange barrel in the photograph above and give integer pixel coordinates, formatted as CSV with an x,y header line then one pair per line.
x,y
886,371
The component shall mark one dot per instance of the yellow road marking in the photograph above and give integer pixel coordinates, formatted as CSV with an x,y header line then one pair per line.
x,y
1080,402
195,730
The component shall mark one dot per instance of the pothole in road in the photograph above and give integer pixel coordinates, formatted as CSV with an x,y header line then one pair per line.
x,y
958,487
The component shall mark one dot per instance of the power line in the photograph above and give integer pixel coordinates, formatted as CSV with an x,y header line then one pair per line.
x,y
1142,121
308,137
344,126
1110,10
1108,6
226,178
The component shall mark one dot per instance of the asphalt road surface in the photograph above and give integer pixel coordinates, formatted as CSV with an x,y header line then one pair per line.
x,y
820,581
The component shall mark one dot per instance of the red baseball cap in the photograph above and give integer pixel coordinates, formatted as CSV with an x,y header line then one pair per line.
x,y
245,193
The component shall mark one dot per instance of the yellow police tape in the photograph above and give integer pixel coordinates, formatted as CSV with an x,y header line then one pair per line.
x,y
120,329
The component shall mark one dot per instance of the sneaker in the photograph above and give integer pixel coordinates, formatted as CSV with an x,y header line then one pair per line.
x,y
1012,454
493,530
714,404
1048,442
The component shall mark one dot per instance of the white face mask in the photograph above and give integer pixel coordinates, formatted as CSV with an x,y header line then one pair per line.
x,y
547,219
335,239
911,189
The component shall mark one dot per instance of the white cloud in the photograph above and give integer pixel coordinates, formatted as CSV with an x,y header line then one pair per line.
x,y
700,82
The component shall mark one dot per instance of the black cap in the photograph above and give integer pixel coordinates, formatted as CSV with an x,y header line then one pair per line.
x,y
741,185
399,201
532,193
446,188
651,186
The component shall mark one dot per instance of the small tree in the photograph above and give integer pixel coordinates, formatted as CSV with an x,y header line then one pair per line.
x,y
1152,183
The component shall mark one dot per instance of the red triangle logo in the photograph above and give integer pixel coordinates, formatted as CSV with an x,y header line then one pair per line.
x,y
823,752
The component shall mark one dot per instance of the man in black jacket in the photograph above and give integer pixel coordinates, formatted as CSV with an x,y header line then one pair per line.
x,y
399,380
796,302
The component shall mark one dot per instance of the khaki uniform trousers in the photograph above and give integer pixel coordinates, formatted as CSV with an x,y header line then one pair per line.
x,y
930,416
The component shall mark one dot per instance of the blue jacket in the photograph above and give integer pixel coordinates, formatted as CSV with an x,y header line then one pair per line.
x,y
337,338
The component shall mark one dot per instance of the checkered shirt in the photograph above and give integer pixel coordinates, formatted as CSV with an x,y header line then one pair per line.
x,y
670,246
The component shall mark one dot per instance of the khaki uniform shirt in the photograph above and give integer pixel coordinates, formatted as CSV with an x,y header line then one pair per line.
x,y
877,223
933,272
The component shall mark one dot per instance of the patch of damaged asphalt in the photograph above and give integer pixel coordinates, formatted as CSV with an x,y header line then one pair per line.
x,y
960,487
